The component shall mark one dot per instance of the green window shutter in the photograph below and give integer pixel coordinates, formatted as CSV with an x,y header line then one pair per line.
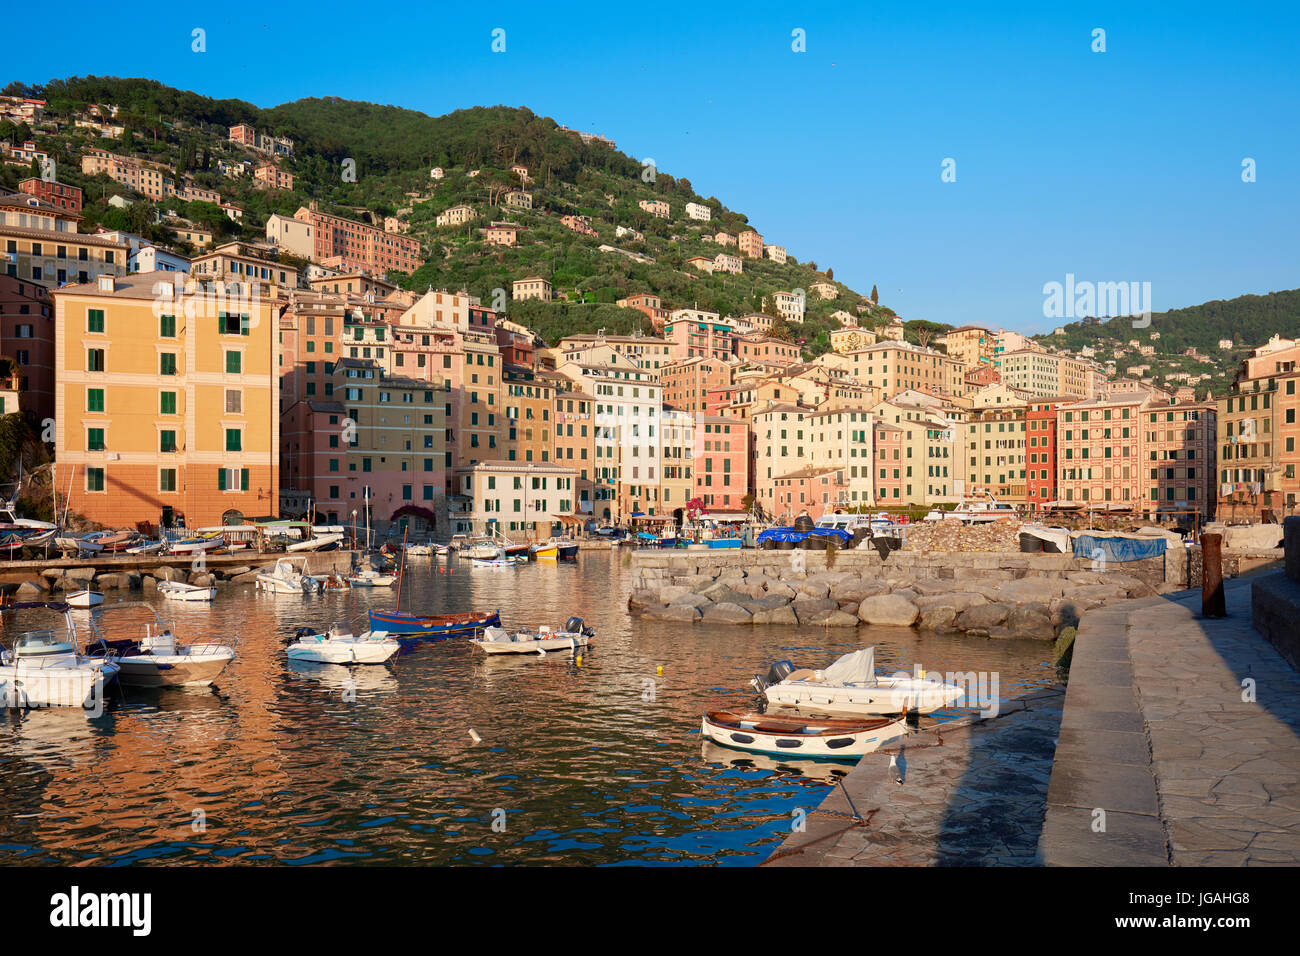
x,y
243,479
221,479
244,325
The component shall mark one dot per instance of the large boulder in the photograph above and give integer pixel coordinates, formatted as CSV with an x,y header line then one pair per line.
x,y
1033,621
777,615
938,617
856,590
831,618
780,589
671,592
893,609
771,602
30,591
201,579
80,577
727,613
807,607
812,589
112,582
250,577
673,612
960,600
691,599
639,599
168,573
983,616
1027,591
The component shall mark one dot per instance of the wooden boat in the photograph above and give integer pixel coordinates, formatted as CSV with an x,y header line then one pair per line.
x,y
370,578
202,542
801,736
179,591
544,552
574,634
339,645
434,626
566,548
110,541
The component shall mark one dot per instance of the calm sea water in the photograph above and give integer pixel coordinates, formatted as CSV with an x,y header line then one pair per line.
x,y
597,762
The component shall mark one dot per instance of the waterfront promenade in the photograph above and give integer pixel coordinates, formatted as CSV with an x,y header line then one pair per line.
x,y
1160,761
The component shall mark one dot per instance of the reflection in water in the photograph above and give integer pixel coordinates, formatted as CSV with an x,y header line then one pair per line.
x,y
590,761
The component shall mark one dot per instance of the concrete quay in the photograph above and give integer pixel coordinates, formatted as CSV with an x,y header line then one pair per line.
x,y
1176,743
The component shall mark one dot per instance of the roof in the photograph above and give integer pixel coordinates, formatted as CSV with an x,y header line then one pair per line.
x,y
51,235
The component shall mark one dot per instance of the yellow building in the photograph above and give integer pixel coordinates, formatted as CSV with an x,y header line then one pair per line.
x,y
894,367
166,401
995,451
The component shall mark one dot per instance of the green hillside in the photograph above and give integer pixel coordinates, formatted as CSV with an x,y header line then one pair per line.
x,y
393,150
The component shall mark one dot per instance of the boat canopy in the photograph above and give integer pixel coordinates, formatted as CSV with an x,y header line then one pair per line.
x,y
789,534
858,667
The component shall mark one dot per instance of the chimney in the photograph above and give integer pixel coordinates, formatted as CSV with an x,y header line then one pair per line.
x,y
107,283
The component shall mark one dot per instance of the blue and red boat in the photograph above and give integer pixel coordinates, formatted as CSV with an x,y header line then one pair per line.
x,y
433,627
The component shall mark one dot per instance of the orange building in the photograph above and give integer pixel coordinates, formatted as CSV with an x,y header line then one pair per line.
x,y
166,401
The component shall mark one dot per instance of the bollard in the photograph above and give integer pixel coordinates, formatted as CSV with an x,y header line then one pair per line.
x,y
1212,601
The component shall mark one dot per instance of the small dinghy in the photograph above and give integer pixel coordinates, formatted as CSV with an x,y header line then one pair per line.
x,y
178,591
339,645
574,634
85,599
801,736
851,686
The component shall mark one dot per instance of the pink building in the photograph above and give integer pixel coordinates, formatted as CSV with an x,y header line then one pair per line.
x,y
751,245
890,463
695,338
721,462
813,490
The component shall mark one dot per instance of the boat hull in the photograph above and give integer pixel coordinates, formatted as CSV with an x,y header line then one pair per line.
x,y
840,740
29,685
173,670
565,643
433,628
343,652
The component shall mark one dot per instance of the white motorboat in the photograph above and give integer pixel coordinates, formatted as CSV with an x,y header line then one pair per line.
x,y
419,550
851,685
155,658
147,547
85,599
443,550
975,512
339,645
178,591
574,634
802,736
319,539
45,669
370,578
495,559
288,576
204,541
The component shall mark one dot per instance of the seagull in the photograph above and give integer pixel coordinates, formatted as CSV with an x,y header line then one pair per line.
x,y
893,765
474,736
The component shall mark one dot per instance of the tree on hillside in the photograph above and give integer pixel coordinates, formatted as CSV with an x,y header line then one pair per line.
x,y
875,296
830,273
781,330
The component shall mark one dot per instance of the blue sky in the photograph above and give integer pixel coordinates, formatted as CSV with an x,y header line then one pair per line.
x,y
1117,166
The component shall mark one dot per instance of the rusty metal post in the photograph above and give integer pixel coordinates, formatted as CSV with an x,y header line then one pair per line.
x,y
1212,601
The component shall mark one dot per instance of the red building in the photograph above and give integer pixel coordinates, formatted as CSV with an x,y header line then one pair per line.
x,y
27,340
356,245
516,344
54,193
1040,452
648,303
982,375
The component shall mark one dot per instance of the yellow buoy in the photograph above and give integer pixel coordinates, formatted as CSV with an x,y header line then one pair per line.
x,y
579,660
659,670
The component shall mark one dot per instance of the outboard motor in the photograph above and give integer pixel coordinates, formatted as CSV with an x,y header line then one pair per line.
x,y
304,632
778,672
574,625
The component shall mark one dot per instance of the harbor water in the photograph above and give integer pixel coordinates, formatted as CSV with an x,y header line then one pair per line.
x,y
591,761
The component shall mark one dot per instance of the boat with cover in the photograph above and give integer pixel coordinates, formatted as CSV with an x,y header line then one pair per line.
x,y
850,685
179,591
339,645
155,658
574,634
44,668
975,512
433,626
821,738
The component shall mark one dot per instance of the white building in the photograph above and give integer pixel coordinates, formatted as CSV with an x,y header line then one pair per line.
x,y
695,211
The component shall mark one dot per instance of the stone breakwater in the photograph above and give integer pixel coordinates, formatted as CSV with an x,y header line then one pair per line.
x,y
142,573
1030,596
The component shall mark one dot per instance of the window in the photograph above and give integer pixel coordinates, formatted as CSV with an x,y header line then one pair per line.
x,y
94,439
232,323
167,326
95,320
167,363
232,479
94,399
234,401
234,439
94,479
167,440
167,479
94,360
234,363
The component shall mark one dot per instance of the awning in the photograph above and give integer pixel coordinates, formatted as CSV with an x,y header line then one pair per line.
x,y
568,519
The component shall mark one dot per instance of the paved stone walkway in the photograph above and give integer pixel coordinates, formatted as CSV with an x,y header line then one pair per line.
x,y
973,794
1157,735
